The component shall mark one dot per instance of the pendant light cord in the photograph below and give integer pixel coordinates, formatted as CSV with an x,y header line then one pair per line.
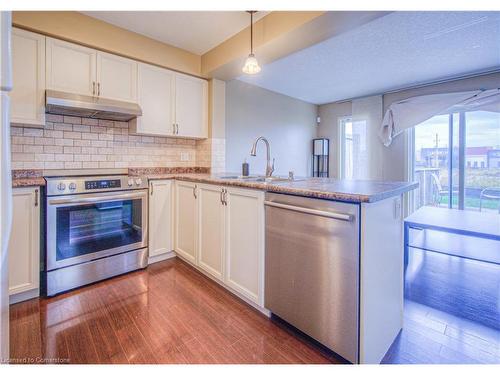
x,y
251,32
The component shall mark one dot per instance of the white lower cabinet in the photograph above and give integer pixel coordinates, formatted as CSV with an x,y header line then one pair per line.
x,y
220,230
244,243
211,229
160,218
186,214
24,245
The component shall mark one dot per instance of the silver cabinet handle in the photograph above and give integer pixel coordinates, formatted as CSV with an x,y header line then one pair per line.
x,y
310,211
93,87
36,197
173,128
98,89
152,188
194,192
176,128
222,196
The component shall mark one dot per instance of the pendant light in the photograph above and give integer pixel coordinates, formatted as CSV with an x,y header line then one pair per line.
x,y
251,64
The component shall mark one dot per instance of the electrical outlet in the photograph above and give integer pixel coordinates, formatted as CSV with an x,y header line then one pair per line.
x,y
184,156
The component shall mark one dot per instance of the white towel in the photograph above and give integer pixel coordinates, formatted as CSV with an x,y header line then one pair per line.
x,y
413,111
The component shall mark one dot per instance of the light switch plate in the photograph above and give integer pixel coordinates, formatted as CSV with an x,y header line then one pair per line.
x,y
397,208
184,156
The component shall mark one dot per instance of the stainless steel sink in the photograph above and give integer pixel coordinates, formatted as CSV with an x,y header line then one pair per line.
x,y
271,179
256,178
229,177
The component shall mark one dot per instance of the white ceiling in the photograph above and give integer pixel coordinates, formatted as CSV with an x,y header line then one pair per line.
x,y
395,51
197,32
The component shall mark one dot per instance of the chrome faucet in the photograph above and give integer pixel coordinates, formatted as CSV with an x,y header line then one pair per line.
x,y
253,152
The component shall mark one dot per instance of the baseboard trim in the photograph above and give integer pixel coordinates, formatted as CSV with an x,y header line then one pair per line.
x,y
161,257
24,296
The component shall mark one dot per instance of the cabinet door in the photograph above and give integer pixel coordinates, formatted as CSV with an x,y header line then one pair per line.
x,y
116,77
156,98
186,214
70,67
28,71
24,243
160,217
245,243
191,106
211,229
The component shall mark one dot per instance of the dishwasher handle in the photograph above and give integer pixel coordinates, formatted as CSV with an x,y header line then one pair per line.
x,y
310,211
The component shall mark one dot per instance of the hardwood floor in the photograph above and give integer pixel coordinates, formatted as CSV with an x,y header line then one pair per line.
x,y
170,313
452,312
431,336
464,288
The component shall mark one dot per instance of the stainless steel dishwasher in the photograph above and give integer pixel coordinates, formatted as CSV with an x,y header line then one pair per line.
x,y
312,268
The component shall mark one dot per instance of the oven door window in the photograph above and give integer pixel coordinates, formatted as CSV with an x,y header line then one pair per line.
x,y
89,229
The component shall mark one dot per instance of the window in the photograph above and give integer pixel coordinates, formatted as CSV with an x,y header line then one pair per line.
x,y
353,149
455,161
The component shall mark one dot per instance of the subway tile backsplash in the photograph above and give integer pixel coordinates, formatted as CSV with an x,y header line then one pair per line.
x,y
68,142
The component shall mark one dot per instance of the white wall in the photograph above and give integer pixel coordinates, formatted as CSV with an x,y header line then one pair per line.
x,y
329,128
289,125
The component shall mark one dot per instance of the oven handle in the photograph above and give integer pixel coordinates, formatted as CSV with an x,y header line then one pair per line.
x,y
107,198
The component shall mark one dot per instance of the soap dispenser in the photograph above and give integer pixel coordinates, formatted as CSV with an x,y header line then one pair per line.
x,y
245,169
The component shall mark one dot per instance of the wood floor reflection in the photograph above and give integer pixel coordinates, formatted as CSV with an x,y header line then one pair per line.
x,y
168,313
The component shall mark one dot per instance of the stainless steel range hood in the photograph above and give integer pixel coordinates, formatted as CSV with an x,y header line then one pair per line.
x,y
63,103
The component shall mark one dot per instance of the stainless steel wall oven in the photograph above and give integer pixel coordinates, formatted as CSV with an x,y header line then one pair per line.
x,y
97,227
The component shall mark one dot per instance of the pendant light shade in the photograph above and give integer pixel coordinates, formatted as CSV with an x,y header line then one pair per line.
x,y
251,64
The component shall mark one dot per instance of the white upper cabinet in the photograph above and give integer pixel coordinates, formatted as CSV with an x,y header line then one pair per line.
x,y
173,104
70,67
116,77
211,229
191,106
81,70
156,99
160,217
28,70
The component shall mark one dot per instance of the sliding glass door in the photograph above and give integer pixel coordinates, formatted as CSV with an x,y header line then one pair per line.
x,y
457,161
353,147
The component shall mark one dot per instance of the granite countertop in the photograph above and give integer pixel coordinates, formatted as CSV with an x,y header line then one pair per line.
x,y
357,191
29,181
29,177
35,177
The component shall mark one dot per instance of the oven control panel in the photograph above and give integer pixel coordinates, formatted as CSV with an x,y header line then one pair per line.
x,y
72,185
102,184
